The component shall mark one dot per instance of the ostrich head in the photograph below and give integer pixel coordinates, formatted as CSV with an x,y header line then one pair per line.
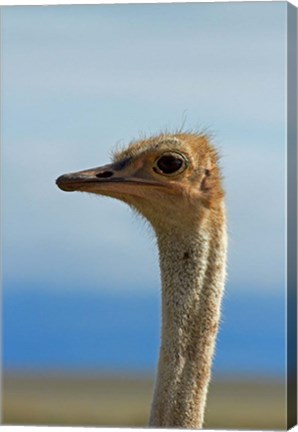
x,y
169,179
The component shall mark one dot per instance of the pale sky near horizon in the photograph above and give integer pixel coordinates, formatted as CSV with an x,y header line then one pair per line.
x,y
76,80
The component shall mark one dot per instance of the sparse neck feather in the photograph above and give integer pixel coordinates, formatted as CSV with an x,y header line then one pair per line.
x,y
192,273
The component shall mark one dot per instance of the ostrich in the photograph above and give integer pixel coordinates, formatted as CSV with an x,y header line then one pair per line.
x,y
174,181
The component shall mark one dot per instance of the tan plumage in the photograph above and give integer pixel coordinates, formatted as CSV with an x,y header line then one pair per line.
x,y
174,181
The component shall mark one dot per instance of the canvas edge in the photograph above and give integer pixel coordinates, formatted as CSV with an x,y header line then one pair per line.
x,y
291,320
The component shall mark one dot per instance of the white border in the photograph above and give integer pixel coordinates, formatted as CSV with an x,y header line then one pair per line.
x,y
92,2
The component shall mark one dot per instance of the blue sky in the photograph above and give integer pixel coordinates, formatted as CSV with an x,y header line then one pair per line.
x,y
79,79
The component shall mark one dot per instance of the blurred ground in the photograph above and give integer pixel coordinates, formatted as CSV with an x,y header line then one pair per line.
x,y
60,399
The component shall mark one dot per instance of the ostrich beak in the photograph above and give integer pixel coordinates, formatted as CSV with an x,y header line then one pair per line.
x,y
105,180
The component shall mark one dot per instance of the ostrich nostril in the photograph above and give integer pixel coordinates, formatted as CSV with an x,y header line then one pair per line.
x,y
104,174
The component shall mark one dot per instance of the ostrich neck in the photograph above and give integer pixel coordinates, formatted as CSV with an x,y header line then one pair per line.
x,y
192,273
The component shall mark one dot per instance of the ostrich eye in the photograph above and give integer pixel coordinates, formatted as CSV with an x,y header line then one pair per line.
x,y
170,163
